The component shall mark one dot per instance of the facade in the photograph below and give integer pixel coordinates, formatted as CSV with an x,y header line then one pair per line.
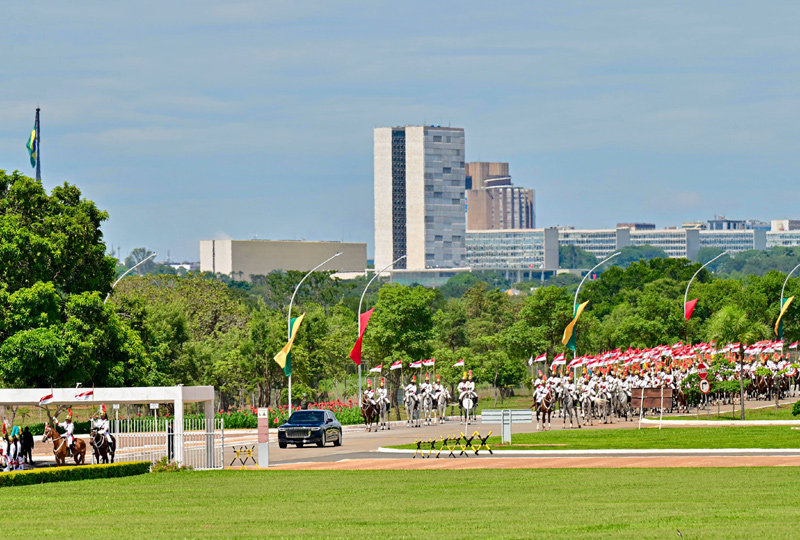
x,y
734,241
241,259
599,242
419,197
513,249
637,226
790,238
493,202
677,243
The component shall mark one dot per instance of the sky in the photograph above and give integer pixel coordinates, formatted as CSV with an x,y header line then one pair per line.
x,y
209,119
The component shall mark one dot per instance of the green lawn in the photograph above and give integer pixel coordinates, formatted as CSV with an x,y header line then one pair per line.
x,y
652,438
577,504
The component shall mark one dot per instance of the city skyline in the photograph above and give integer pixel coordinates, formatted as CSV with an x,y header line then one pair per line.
x,y
235,120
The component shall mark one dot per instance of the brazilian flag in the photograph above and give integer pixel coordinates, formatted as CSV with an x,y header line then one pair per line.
x,y
779,324
569,331
32,146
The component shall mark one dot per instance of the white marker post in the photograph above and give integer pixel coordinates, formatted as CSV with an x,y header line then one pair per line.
x,y
263,437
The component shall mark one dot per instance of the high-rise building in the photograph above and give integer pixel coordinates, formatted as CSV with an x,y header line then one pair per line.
x,y
419,197
493,203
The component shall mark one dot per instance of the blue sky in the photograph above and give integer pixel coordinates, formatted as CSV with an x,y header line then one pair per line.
x,y
193,120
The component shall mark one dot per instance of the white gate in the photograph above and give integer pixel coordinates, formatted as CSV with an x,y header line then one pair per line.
x,y
151,439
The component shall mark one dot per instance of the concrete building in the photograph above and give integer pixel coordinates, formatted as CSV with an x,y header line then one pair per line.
x,y
599,242
785,225
241,259
637,226
734,241
493,202
513,249
677,243
419,196
787,238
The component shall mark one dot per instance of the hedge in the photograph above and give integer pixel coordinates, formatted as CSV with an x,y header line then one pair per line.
x,y
67,474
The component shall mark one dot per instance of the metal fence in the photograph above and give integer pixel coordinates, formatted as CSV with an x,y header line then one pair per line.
x,y
152,439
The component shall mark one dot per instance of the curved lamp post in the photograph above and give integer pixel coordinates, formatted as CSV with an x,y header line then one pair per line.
x,y
780,306
686,295
128,272
360,302
589,273
289,316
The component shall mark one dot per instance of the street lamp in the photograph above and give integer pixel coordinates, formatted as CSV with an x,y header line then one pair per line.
x,y
289,316
780,306
686,295
128,272
360,302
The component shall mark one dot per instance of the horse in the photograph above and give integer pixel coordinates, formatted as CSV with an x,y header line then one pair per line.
x,y
601,406
101,449
441,404
412,408
619,403
427,408
568,406
384,414
468,404
60,448
370,413
544,408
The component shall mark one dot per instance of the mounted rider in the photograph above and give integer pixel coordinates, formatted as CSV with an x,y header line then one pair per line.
x,y
437,388
462,386
426,388
69,431
381,394
102,424
411,389
369,393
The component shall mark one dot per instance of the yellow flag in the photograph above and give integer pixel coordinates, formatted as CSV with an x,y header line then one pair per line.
x,y
786,304
280,358
569,330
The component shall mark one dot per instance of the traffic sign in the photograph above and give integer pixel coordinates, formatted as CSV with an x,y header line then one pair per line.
x,y
702,370
791,372
705,386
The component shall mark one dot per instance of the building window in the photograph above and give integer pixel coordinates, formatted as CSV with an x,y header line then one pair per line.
x,y
437,138
447,170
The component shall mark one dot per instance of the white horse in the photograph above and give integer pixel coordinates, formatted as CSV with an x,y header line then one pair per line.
x,y
427,408
441,404
468,404
568,406
384,414
412,408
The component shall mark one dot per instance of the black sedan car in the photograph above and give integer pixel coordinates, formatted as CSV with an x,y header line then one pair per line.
x,y
310,426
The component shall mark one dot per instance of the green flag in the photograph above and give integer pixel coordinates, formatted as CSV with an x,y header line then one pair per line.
x,y
31,146
284,356
569,331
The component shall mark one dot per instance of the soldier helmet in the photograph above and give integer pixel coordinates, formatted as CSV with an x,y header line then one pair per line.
x,y
464,376
369,383
470,374
413,378
383,381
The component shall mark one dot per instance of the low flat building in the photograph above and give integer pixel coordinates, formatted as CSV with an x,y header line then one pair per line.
x,y
783,239
599,242
676,243
513,249
785,225
734,241
241,259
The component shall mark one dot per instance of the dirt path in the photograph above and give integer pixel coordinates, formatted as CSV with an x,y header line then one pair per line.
x,y
544,463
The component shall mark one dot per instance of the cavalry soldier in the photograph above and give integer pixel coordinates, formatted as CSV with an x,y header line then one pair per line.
x,y
69,430
462,387
102,425
470,384
382,394
540,391
426,388
369,393
4,444
437,388
411,387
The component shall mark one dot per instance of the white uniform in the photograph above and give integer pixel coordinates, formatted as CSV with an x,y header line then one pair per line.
x,y
369,393
411,390
462,388
381,394
103,426
69,429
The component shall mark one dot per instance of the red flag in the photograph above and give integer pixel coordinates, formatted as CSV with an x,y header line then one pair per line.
x,y
688,309
355,353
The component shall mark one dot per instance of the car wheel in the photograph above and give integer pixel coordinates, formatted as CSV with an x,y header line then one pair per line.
x,y
322,441
299,445
338,441
281,445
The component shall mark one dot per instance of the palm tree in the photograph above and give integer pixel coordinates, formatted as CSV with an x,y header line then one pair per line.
x,y
731,325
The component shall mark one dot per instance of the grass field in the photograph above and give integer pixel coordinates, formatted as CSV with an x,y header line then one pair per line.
x,y
652,438
548,503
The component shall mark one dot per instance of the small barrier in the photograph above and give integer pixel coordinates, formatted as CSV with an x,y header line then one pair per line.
x,y
452,444
247,452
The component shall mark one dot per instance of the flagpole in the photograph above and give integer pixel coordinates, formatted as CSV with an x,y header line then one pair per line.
x,y
289,316
686,295
360,303
38,149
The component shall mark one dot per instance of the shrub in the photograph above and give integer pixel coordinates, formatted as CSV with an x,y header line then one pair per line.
x,y
165,465
67,474
796,409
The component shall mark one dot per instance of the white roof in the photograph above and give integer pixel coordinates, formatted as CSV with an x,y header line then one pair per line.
x,y
135,395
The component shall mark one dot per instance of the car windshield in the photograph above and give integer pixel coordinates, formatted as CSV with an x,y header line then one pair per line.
x,y
307,417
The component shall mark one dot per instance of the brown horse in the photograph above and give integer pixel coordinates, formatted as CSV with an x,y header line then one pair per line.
x,y
545,409
101,449
60,449
371,412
